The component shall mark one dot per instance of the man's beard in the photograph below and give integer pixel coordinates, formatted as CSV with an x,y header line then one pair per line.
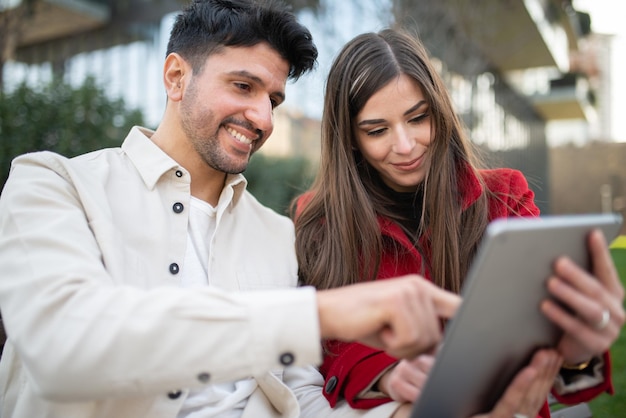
x,y
208,145
211,153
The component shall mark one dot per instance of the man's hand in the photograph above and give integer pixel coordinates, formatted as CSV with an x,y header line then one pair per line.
x,y
401,316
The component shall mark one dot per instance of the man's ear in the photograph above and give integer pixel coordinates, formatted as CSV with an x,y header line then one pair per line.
x,y
175,72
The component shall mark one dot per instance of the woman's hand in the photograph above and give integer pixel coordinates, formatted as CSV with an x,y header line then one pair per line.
x,y
525,395
404,411
528,391
595,300
404,382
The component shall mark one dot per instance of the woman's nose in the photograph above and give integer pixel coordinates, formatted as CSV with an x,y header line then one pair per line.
x,y
403,143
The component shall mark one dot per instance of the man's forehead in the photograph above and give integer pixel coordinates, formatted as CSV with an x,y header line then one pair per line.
x,y
260,63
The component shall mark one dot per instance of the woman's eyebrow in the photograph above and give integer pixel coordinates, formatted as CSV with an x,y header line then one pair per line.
x,y
370,122
408,112
414,108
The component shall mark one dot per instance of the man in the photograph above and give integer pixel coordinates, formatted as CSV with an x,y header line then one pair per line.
x,y
145,281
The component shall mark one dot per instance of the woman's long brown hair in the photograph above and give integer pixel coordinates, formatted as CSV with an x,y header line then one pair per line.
x,y
338,240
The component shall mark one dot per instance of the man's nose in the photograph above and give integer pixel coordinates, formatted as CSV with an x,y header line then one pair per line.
x,y
261,115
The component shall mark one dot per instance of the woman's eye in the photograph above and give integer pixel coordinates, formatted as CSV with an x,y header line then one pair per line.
x,y
419,118
376,132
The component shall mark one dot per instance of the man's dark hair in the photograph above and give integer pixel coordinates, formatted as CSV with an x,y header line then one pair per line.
x,y
206,26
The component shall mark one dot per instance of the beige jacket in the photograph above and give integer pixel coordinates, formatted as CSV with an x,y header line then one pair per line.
x,y
90,248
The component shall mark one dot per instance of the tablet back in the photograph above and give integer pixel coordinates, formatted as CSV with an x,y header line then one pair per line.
x,y
499,324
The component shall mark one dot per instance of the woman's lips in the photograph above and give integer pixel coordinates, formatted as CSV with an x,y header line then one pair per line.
x,y
409,165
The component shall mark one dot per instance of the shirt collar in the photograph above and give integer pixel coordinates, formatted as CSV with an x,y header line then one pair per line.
x,y
152,162
237,183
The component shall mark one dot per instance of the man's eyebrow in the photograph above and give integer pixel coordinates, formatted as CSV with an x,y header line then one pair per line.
x,y
257,80
408,112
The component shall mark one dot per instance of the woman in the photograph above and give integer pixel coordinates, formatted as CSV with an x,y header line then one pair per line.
x,y
400,191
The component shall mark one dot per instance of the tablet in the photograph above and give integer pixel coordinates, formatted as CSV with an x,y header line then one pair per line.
x,y
499,325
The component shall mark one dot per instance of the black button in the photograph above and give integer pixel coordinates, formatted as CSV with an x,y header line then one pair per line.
x,y
204,377
286,359
331,384
174,394
178,207
179,173
174,269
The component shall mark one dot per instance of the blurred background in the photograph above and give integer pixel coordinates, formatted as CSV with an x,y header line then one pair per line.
x,y
539,84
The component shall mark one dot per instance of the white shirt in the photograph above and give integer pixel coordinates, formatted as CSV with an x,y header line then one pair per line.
x,y
228,399
202,223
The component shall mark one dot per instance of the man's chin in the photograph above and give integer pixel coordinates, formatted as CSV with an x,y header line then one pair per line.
x,y
235,169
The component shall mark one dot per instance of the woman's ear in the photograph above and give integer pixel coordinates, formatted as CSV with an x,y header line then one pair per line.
x,y
175,71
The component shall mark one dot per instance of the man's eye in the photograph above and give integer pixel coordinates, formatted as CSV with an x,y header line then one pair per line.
x,y
243,86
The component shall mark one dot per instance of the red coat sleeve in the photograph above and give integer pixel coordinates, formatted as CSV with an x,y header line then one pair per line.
x,y
588,394
348,369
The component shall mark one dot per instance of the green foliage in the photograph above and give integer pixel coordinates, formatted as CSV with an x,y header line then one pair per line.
x,y
275,181
60,118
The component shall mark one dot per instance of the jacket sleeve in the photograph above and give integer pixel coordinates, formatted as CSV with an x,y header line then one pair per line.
x,y
349,369
588,393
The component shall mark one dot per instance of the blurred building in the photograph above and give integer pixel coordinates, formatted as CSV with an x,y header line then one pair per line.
x,y
593,60
520,71
295,133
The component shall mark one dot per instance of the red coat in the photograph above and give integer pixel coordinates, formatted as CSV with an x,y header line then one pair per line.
x,y
352,367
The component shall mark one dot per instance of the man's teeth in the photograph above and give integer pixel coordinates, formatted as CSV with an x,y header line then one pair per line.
x,y
239,137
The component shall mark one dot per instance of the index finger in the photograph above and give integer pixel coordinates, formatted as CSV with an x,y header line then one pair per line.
x,y
446,303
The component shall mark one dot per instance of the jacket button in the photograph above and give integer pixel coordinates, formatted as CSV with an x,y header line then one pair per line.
x,y
178,207
330,384
286,359
204,377
174,394
174,269
179,173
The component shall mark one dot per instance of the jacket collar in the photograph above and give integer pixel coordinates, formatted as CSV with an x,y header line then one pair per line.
x,y
152,163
